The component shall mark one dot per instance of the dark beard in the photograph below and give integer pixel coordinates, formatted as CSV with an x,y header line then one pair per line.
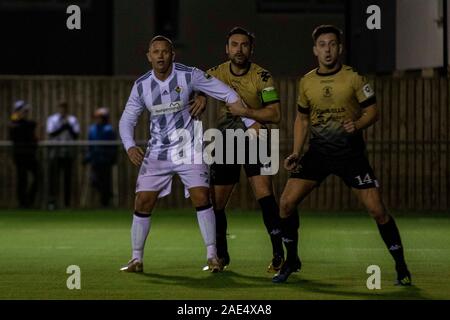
x,y
242,64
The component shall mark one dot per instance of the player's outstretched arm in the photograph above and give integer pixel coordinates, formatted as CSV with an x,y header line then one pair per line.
x,y
369,117
301,128
269,114
237,108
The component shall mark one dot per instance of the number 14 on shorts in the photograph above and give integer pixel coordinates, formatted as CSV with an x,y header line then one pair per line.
x,y
366,180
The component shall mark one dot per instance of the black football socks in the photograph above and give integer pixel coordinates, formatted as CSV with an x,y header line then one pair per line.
x,y
271,217
289,233
221,234
391,237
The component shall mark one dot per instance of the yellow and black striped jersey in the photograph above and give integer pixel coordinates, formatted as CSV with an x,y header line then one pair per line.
x,y
330,99
255,87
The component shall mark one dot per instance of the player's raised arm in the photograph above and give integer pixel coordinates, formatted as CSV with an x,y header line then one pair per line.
x,y
270,112
127,123
198,104
213,87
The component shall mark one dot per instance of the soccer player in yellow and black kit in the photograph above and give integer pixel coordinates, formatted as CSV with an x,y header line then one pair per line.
x,y
256,88
335,104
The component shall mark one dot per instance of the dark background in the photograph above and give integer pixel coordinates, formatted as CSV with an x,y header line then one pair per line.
x,y
35,39
114,34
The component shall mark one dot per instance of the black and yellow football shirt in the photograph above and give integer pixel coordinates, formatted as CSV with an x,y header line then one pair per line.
x,y
330,99
255,87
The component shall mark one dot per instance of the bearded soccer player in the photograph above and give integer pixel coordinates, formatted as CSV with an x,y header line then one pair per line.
x,y
335,104
166,92
256,88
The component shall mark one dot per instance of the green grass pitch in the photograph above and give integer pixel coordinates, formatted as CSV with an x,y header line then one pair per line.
x,y
336,249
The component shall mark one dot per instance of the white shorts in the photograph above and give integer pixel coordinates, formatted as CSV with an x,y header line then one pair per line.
x,y
156,175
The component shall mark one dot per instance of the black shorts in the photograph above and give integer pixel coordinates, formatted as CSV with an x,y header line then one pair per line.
x,y
227,174
355,171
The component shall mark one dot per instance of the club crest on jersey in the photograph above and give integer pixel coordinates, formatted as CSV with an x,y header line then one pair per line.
x,y
178,89
368,91
327,91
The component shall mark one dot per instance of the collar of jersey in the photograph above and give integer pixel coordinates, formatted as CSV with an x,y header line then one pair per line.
x,y
241,75
328,73
169,77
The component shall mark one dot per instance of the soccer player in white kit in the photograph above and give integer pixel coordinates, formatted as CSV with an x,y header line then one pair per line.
x,y
166,92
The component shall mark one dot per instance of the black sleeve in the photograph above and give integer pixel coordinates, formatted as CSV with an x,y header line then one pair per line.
x,y
367,103
303,109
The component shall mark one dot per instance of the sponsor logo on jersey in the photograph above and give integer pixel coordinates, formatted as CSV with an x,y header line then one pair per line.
x,y
166,108
178,89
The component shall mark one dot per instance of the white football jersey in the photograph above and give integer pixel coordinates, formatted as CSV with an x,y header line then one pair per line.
x,y
168,104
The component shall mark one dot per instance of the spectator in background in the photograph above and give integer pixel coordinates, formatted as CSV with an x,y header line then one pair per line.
x,y
102,157
24,138
61,127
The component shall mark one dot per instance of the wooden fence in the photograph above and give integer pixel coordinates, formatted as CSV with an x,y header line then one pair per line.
x,y
408,147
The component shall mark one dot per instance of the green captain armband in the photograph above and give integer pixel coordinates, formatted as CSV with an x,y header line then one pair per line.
x,y
269,95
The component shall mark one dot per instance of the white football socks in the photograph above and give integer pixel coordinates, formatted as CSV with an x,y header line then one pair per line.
x,y
139,232
207,222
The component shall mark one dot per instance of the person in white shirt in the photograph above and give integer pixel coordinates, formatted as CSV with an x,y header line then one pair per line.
x,y
61,127
166,92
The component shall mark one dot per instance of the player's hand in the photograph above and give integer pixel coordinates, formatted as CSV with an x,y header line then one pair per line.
x,y
136,155
291,162
256,126
237,108
349,126
198,106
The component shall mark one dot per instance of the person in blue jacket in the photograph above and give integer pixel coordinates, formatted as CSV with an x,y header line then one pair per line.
x,y
102,157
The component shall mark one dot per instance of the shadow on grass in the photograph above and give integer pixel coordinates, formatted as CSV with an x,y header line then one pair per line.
x,y
232,280
226,279
394,293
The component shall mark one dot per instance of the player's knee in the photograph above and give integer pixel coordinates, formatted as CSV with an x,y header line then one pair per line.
x,y
200,197
143,203
219,202
287,207
262,193
262,186
379,214
382,218
201,200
